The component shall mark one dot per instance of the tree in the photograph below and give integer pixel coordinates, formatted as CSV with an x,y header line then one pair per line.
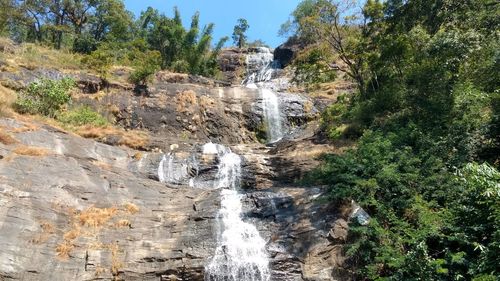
x,y
340,25
181,50
239,36
146,64
6,15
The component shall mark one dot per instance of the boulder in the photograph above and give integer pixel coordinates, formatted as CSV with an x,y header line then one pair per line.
x,y
287,51
339,231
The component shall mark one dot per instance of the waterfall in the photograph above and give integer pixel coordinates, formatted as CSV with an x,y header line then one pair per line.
x,y
166,169
174,171
271,109
241,254
262,67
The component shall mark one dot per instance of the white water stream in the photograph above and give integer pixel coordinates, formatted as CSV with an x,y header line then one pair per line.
x,y
241,251
263,62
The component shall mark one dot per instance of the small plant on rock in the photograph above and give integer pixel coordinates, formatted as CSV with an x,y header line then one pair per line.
x,y
45,97
82,116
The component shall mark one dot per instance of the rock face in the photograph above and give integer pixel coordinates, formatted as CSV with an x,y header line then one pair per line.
x,y
287,51
75,209
77,213
232,64
197,113
82,210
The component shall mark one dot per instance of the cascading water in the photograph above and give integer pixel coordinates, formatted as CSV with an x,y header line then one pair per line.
x,y
241,254
165,169
270,106
173,171
263,65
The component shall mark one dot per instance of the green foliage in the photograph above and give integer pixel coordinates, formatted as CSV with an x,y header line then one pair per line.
x,y
239,36
311,66
146,65
333,117
82,116
100,61
45,97
106,32
182,50
428,104
334,32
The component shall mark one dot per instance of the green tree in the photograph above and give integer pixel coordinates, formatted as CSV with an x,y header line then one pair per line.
x,y
239,36
146,64
181,50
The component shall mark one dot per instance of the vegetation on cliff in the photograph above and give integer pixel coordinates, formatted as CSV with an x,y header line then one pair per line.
x,y
106,33
426,113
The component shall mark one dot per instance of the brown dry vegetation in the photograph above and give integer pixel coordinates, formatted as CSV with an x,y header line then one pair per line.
x,y
131,208
31,56
96,217
6,138
116,263
30,150
134,139
123,223
7,98
47,229
26,127
185,100
89,222
64,249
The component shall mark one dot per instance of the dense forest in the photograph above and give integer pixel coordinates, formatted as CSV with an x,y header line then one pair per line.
x,y
424,116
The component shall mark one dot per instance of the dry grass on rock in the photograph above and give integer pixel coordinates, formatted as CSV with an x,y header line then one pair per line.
x,y
30,151
133,139
6,138
7,99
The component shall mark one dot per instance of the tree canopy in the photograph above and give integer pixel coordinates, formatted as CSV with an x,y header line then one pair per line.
x,y
425,117
106,29
239,36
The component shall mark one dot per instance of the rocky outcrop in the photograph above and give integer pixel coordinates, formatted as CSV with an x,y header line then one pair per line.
x,y
232,64
75,212
74,209
287,51
197,113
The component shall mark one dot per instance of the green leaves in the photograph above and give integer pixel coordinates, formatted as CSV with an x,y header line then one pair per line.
x,y
239,36
182,50
146,64
45,97
82,116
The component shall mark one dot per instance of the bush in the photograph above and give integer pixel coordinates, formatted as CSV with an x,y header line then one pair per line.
x,y
146,66
45,97
100,61
82,116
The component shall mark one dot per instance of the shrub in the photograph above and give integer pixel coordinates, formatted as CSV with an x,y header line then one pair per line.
x,y
146,65
100,61
82,116
45,97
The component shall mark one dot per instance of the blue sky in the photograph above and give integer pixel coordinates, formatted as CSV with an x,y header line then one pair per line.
x,y
264,16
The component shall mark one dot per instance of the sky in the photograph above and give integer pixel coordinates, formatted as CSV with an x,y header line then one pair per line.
x,y
264,16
